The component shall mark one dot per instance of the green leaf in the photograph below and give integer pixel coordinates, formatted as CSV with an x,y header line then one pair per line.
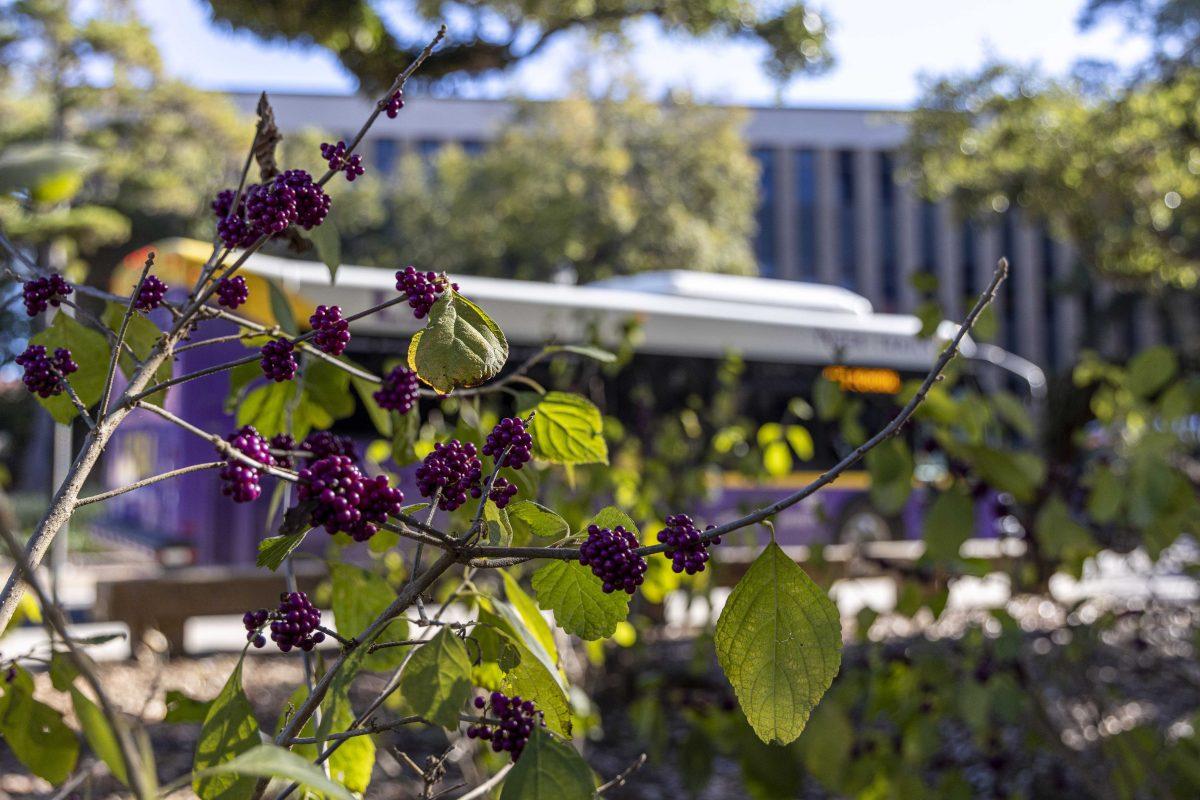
x,y
35,732
99,734
949,522
533,681
610,517
274,549
499,531
578,600
528,519
229,730
1013,411
89,349
567,429
1019,474
359,597
828,399
1060,536
1104,502
549,770
596,353
779,641
406,428
281,308
353,762
1151,370
437,681
891,467
269,761
141,335
531,616
379,416
181,708
52,172
328,243
460,347
62,671
266,407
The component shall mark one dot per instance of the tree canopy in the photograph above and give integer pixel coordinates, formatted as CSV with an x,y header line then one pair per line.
x,y
488,36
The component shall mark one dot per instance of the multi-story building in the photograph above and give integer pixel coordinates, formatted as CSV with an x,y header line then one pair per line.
x,y
832,211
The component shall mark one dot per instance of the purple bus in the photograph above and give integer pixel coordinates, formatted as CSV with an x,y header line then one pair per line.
x,y
785,333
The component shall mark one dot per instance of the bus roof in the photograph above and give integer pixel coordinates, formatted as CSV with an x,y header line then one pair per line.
x,y
681,313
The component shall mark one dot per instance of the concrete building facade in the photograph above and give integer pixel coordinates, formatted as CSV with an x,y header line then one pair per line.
x,y
832,210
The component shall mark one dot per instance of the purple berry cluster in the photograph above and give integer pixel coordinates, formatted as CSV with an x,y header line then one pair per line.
x,y
151,295
268,209
452,467
232,292
613,557
421,288
399,391
335,155
325,443
394,104
42,292
293,624
286,443
510,432
502,491
241,479
44,374
687,551
278,360
345,499
517,719
331,333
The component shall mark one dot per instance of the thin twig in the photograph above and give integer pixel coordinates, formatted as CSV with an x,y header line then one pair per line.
x,y
483,789
175,473
355,732
620,779
129,312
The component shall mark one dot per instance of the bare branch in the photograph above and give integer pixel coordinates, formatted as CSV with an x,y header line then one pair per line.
x,y
96,498
116,356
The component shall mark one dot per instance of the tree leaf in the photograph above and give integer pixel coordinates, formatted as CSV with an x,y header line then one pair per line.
x,y
141,335
596,353
460,347
50,171
359,597
266,407
274,549
437,681
35,732
352,763
949,522
527,519
99,734
530,679
1020,474
567,429
269,761
380,418
62,671
891,468
89,349
229,730
779,642
498,531
549,770
530,616
181,708
611,516
578,600
1151,370
281,308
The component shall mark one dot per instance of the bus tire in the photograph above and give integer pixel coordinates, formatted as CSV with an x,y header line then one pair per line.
x,y
861,522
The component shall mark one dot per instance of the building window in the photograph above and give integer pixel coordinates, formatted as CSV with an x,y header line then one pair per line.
x,y
805,164
386,153
969,237
765,245
428,149
472,147
887,231
929,232
1050,300
847,223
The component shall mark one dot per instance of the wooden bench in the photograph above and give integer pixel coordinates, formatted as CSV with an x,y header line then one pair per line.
x,y
169,599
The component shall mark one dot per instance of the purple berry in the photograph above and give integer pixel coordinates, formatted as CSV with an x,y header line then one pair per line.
x,y
502,492
452,467
285,443
335,156
394,104
399,391
516,721
232,226
279,360
325,443
613,557
151,295
293,623
331,331
44,374
232,292
241,479
380,500
42,292
312,204
270,208
336,486
510,432
421,288
687,551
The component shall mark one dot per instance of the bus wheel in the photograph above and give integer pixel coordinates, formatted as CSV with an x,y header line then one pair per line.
x,y
860,522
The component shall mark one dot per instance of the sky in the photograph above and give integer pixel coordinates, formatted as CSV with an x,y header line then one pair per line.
x,y
882,48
